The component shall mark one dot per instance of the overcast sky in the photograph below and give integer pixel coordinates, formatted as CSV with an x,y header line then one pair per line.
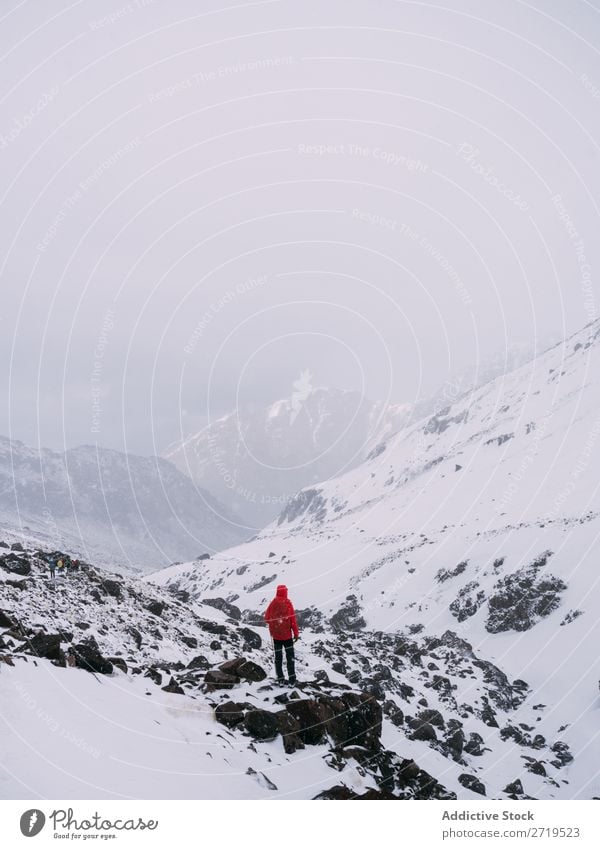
x,y
200,200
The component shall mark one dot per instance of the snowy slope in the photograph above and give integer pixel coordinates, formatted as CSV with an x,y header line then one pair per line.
x,y
394,716
482,519
111,507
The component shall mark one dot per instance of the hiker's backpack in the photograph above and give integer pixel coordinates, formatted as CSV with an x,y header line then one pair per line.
x,y
279,619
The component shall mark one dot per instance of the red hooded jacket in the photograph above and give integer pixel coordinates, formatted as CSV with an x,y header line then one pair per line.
x,y
280,616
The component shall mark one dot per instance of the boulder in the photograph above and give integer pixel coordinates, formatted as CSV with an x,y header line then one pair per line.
x,y
356,722
250,638
434,717
231,666
250,671
18,565
88,657
119,663
155,607
472,783
16,546
423,731
232,713
289,729
475,745
190,642
261,724
173,687
112,588
217,680
154,675
311,716
48,646
6,621
199,662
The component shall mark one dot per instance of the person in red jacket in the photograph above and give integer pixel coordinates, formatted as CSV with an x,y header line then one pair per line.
x,y
280,616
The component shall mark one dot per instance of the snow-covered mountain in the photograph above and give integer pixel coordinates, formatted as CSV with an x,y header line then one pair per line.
x,y
110,507
255,459
476,527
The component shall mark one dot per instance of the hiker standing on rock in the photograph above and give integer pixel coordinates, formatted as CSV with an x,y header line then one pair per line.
x,y
280,616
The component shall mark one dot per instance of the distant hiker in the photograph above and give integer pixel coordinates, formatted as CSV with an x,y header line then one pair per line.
x,y
75,565
71,658
280,616
60,565
53,570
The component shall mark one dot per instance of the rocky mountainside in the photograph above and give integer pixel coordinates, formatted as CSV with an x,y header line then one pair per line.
x,y
111,685
477,524
110,507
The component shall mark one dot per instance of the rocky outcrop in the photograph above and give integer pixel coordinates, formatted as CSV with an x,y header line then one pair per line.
x,y
522,599
349,616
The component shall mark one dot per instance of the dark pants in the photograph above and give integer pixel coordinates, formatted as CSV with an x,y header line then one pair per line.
x,y
289,657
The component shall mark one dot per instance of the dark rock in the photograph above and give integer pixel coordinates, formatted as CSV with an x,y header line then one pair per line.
x,y
232,666
83,626
212,627
251,617
119,663
218,680
289,729
515,788
250,638
250,671
475,744
155,607
372,688
173,687
311,716
215,645
48,646
468,601
112,588
358,721
443,575
261,724
423,731
220,604
472,783
231,713
563,755
199,662
455,741
348,617
434,717
16,546
154,675
137,637
17,565
88,656
394,713
21,585
6,621
522,599
310,618
190,642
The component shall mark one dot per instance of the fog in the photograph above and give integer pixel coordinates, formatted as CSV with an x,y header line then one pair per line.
x,y
201,201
